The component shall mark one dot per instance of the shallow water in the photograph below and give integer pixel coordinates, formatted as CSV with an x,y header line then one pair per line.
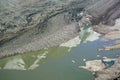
x,y
57,63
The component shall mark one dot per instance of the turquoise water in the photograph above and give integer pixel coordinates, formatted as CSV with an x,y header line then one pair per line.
x,y
58,64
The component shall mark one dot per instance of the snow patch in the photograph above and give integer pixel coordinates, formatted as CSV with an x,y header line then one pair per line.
x,y
76,41
117,23
93,36
71,43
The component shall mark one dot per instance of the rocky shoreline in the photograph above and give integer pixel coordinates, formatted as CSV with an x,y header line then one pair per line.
x,y
110,33
101,71
97,67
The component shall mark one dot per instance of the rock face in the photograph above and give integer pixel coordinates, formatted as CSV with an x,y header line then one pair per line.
x,y
17,15
105,11
27,25
104,29
20,15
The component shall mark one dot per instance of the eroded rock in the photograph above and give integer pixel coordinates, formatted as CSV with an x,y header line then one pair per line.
x,y
29,22
38,21
111,36
102,72
105,11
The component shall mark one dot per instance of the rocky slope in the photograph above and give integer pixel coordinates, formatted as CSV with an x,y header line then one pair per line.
x,y
104,11
27,25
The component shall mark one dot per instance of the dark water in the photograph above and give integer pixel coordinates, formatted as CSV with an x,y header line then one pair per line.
x,y
58,64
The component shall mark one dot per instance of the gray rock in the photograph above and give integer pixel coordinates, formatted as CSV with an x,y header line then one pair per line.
x,y
43,23
105,11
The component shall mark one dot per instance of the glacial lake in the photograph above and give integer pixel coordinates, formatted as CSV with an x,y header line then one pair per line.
x,y
56,63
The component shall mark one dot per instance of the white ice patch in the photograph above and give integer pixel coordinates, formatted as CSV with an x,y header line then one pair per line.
x,y
117,23
71,43
35,64
98,55
73,61
76,41
84,59
16,64
93,36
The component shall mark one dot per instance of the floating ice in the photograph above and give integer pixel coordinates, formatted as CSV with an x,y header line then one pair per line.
x,y
98,55
73,61
84,59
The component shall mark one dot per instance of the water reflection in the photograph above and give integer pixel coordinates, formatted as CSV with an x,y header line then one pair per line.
x,y
32,60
